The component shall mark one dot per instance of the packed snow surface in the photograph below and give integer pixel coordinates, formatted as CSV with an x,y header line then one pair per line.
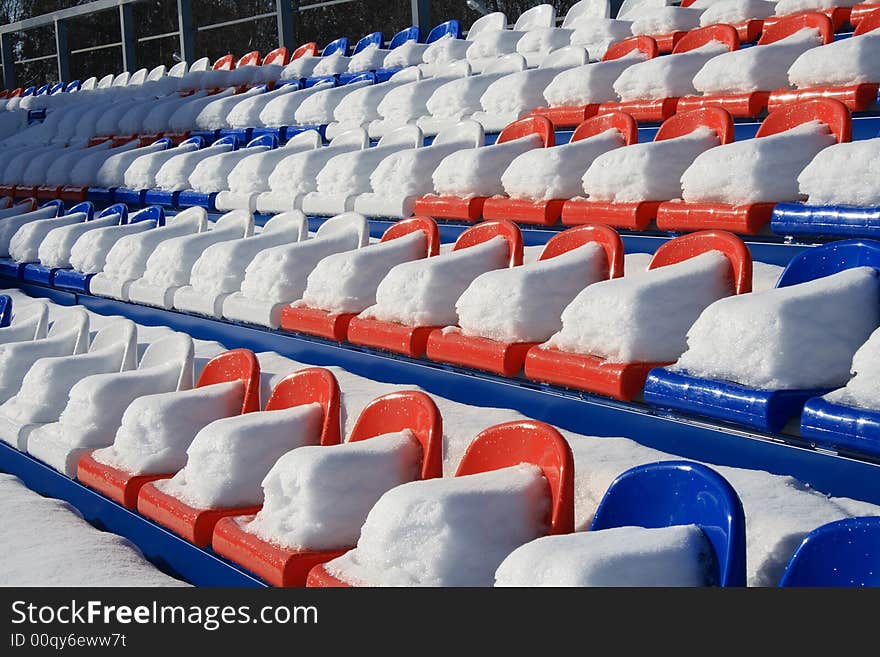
x,y
862,390
665,77
477,171
822,183
590,83
839,64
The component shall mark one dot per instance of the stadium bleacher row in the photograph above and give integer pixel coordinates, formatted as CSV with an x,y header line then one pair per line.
x,y
248,193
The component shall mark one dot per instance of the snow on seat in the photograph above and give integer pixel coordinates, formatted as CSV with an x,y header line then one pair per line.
x,y
213,115
837,10
156,430
407,103
68,334
9,225
409,52
453,48
360,107
625,186
826,296
26,324
667,25
464,180
126,262
96,403
490,44
45,386
250,177
247,72
372,56
317,497
229,458
339,62
735,186
296,175
54,249
184,117
277,276
246,114
74,182
157,120
170,265
141,173
538,182
536,44
319,107
419,296
209,176
220,269
741,81
304,65
173,176
400,179
515,95
88,255
344,284
835,205
514,484
280,110
745,16
845,70
650,90
347,175
616,331
505,312
688,531
839,554
111,173
25,242
574,95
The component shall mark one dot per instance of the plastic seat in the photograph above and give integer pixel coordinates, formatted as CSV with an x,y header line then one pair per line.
x,y
638,215
751,218
312,385
841,553
309,49
571,116
390,413
508,358
672,493
507,445
412,340
861,11
28,323
471,208
123,487
857,97
754,103
334,326
766,410
548,212
625,381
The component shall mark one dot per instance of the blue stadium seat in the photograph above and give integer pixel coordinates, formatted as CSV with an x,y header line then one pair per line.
x,y
5,310
841,553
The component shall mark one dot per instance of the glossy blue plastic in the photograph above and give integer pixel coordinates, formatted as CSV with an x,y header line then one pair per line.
x,y
765,410
130,196
117,208
208,136
100,195
42,90
269,140
844,429
30,91
58,86
411,33
161,197
86,206
371,39
10,268
191,198
194,139
36,116
349,78
152,213
308,83
72,86
5,310
672,493
384,74
72,280
55,203
339,45
451,28
841,553
165,142
243,135
797,219
291,131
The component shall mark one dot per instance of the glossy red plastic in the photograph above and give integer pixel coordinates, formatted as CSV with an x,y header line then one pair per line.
x,y
643,43
625,381
75,194
699,37
666,42
839,17
471,209
390,413
334,326
503,446
412,341
8,190
860,14
645,111
307,386
638,216
547,213
225,63
785,27
279,56
566,116
507,358
748,31
309,49
48,192
123,487
250,59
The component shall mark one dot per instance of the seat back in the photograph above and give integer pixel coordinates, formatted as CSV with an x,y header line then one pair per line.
x,y
250,59
450,28
621,121
235,365
605,236
122,332
408,409
691,245
279,56
670,493
841,553
715,118
486,230
536,17
425,224
642,43
829,111
225,63
820,261
86,206
466,131
527,441
28,323
309,49
596,9
175,348
340,45
5,310
312,385
152,213
75,324
120,209
699,37
868,24
530,125
138,77
371,39
56,205
269,140
789,25
493,22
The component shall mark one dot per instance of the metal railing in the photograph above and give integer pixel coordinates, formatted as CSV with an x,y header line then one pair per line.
x,y
286,15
